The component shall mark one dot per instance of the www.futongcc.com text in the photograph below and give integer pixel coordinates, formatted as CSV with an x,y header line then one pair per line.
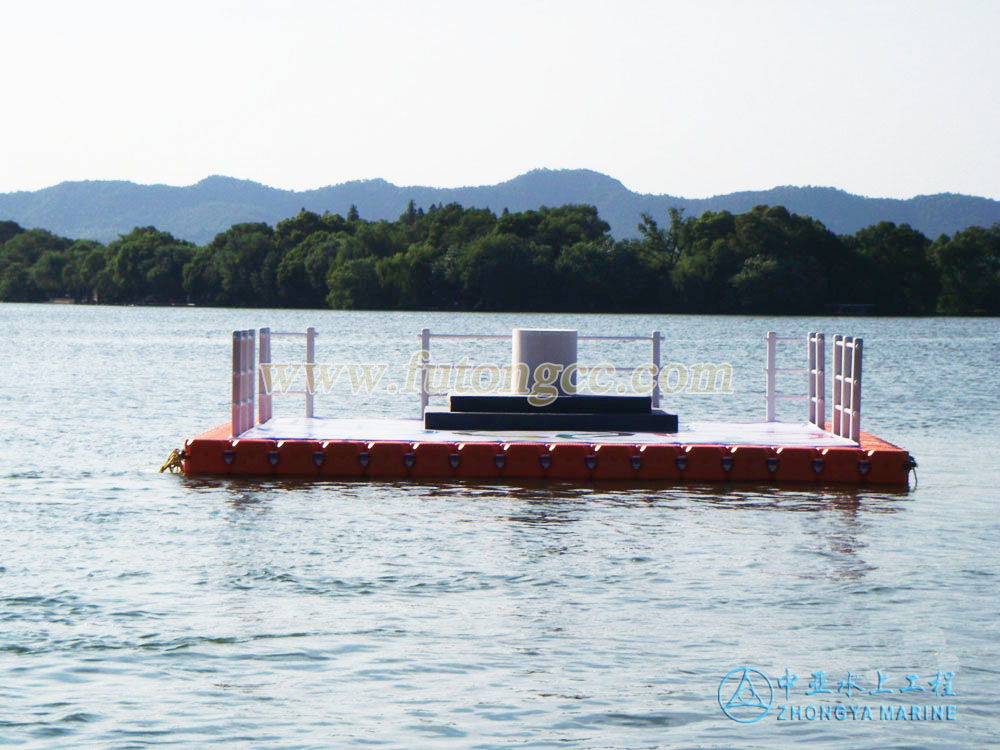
x,y
465,376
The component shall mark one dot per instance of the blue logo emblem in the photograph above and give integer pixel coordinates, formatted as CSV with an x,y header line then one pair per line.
x,y
745,695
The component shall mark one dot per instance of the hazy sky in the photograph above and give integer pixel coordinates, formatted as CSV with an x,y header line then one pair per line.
x,y
687,98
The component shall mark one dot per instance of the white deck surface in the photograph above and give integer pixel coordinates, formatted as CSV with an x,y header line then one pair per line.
x,y
702,433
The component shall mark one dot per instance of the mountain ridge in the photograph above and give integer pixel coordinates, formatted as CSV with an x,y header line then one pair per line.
x,y
104,209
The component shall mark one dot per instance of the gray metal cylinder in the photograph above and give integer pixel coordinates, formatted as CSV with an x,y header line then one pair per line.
x,y
532,347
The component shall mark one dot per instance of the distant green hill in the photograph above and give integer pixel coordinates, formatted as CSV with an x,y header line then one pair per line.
x,y
102,210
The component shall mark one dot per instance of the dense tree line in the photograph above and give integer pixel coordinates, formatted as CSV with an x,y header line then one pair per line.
x,y
562,259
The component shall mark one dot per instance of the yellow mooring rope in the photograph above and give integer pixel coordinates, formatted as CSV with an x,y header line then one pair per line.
x,y
173,462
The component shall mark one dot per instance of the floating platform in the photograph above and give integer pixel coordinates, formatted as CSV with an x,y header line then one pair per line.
x,y
571,436
765,452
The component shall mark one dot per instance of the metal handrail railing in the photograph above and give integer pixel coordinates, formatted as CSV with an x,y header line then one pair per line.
x,y
243,380
264,411
847,354
816,371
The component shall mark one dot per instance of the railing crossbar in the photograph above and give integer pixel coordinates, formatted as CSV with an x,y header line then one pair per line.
x,y
612,338
467,336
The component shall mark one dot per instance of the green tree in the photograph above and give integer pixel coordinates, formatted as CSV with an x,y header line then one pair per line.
x,y
504,272
765,260
584,278
8,229
354,285
147,265
638,281
28,246
302,272
567,225
969,268
411,215
246,260
201,280
47,272
86,261
376,239
417,279
450,226
761,285
18,285
894,271
165,274
292,232
557,228
656,241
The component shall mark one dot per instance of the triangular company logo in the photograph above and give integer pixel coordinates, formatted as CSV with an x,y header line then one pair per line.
x,y
746,695
752,697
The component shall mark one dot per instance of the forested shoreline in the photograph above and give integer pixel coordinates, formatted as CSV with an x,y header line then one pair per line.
x,y
764,261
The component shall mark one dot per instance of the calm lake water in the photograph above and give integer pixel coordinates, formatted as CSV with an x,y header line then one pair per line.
x,y
147,610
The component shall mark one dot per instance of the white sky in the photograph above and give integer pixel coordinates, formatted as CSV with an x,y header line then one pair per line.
x,y
687,98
